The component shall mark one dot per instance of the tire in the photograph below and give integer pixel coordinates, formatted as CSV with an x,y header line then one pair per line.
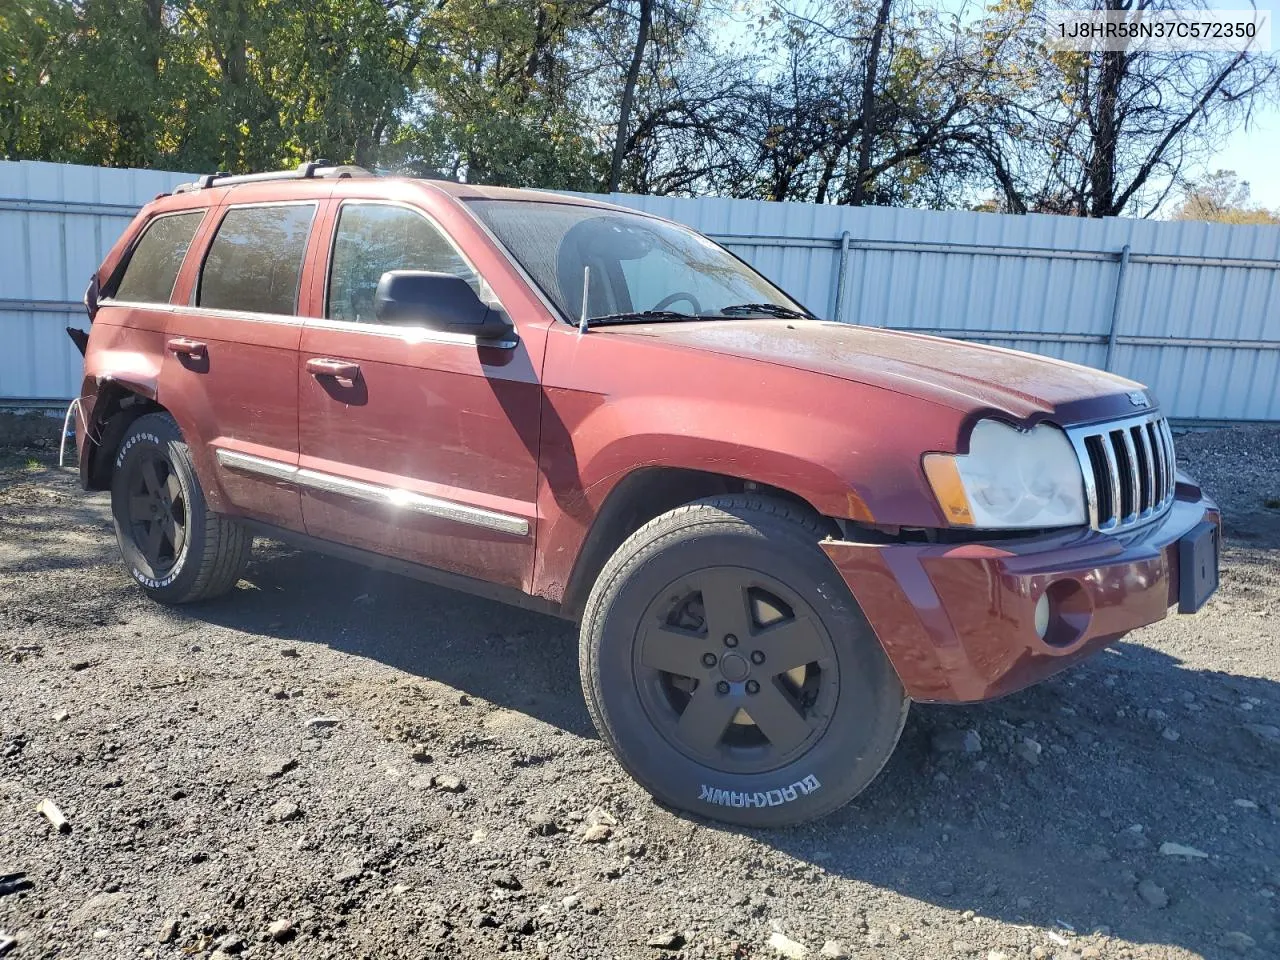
x,y
173,545
758,561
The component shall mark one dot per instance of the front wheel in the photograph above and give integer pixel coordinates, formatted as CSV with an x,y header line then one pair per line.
x,y
728,667
174,546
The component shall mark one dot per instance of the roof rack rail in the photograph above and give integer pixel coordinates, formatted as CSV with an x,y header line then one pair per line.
x,y
304,171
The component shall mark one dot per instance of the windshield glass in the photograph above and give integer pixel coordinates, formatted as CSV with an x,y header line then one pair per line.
x,y
638,263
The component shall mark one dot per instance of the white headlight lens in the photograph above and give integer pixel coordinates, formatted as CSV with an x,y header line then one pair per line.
x,y
1016,479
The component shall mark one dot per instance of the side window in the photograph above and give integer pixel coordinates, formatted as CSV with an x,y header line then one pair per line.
x,y
154,264
255,261
373,238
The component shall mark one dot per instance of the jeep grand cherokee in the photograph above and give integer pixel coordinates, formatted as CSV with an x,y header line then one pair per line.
x,y
775,531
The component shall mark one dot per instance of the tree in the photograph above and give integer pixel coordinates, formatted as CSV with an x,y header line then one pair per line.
x,y
869,82
686,133
861,102
499,105
1103,133
644,21
474,88
869,103
1222,197
209,84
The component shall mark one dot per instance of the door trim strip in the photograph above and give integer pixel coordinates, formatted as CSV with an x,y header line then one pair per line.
x,y
247,463
395,497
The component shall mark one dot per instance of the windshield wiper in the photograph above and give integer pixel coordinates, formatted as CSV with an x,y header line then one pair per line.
x,y
768,309
735,310
641,316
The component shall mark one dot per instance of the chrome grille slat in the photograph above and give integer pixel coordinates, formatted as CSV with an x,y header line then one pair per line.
x,y
1128,469
1112,474
1157,451
1148,469
1171,464
1090,484
1135,485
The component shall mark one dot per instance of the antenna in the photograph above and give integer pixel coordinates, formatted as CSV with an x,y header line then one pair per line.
x,y
586,289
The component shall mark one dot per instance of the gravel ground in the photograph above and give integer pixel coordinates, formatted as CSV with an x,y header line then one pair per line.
x,y
337,763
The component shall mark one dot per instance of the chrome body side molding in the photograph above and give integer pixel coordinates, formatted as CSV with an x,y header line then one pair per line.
x,y
261,466
392,497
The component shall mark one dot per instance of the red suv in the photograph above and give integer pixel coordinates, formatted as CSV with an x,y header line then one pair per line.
x,y
775,531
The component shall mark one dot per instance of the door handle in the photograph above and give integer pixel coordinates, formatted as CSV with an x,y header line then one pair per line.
x,y
344,371
186,347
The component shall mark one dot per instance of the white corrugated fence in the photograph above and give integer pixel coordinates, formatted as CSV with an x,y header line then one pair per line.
x,y
57,221
1191,309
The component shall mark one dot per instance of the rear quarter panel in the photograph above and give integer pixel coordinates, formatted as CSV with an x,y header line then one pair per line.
x,y
127,342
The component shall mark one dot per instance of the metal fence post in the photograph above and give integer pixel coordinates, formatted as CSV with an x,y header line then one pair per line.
x,y
840,275
1112,332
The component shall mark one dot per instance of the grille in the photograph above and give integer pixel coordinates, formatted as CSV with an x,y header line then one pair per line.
x,y
1129,470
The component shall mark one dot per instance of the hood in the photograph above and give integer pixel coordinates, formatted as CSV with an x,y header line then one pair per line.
x,y
966,376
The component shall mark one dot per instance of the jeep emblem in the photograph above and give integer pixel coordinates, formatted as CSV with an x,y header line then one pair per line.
x,y
1138,398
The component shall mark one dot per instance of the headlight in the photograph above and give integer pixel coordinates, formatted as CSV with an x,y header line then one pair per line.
x,y
1010,479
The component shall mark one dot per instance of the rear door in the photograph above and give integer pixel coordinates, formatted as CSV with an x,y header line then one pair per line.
x,y
231,356
425,447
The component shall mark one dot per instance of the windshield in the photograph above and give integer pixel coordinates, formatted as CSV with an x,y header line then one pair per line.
x,y
637,263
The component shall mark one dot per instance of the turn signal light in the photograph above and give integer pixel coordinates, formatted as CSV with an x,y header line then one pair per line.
x,y
944,478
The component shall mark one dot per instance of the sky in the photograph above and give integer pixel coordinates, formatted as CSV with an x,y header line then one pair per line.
x,y
1254,153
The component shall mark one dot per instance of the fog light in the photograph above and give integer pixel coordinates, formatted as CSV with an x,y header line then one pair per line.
x,y
1042,615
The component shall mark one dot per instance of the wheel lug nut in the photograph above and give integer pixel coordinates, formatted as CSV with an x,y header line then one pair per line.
x,y
753,687
757,657
730,640
708,659
722,688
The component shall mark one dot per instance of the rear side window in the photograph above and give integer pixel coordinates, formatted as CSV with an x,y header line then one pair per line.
x,y
154,264
372,238
255,261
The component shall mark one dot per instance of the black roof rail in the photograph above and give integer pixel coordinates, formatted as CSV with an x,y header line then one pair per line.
x,y
304,171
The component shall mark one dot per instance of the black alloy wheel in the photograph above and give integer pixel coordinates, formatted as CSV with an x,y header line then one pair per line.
x,y
157,512
735,670
175,547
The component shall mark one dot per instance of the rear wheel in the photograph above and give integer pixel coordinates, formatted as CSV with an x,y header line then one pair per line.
x,y
730,670
173,545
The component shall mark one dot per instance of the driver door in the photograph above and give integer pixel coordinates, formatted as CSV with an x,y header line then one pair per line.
x,y
413,443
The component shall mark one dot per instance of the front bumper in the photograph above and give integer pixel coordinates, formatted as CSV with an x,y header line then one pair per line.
x,y
958,620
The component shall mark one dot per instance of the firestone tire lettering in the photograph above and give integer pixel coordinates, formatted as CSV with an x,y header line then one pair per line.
x,y
146,581
768,798
132,442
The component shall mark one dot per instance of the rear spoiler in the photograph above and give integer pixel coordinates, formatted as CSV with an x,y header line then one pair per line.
x,y
78,336
91,298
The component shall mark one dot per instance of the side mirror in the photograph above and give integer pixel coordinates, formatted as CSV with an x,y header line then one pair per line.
x,y
437,301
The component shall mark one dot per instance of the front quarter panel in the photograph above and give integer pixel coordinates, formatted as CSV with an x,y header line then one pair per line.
x,y
617,402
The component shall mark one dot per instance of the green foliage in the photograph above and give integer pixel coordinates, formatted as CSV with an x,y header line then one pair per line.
x,y
863,101
471,87
495,104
